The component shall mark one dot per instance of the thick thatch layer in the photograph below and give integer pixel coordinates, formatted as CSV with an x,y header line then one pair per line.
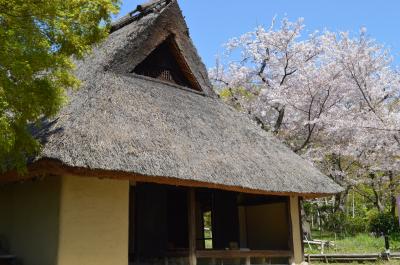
x,y
123,122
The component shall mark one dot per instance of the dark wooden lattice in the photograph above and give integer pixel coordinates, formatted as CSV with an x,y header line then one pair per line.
x,y
167,63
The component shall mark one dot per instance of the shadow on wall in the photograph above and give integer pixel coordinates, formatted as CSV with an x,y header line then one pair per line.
x,y
4,245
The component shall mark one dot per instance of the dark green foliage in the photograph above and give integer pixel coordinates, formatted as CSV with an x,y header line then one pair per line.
x,y
341,223
383,223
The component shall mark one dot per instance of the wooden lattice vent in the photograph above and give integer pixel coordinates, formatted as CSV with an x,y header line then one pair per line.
x,y
168,64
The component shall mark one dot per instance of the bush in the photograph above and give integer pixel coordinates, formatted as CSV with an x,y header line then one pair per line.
x,y
339,222
336,222
383,223
356,225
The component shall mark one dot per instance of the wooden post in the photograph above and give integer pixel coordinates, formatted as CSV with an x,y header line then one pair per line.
x,y
242,227
192,226
213,261
131,238
297,237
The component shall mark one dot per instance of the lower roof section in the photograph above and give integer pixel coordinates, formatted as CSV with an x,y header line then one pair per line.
x,y
131,125
53,168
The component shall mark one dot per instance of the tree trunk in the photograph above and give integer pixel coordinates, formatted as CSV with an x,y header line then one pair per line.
x,y
279,121
377,197
378,201
340,201
392,190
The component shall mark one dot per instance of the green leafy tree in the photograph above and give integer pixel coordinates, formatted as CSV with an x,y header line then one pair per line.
x,y
384,223
38,39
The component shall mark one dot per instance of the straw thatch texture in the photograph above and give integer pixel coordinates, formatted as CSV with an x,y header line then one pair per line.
x,y
125,123
120,121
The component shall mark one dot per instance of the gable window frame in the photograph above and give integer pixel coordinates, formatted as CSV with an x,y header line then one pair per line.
x,y
167,63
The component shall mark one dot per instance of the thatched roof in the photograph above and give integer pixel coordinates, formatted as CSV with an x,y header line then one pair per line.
x,y
122,122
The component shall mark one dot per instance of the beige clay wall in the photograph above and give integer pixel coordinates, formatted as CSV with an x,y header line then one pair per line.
x,y
94,222
267,226
29,220
66,220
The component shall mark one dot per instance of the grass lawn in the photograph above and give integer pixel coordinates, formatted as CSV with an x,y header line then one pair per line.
x,y
391,262
361,243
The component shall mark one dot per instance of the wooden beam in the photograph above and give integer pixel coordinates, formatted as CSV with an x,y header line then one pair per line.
x,y
192,226
132,223
50,167
242,226
297,237
243,254
301,226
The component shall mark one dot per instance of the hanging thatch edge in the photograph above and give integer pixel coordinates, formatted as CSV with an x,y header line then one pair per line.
x,y
51,167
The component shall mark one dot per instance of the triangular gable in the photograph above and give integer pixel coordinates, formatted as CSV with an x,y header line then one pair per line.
x,y
167,63
139,36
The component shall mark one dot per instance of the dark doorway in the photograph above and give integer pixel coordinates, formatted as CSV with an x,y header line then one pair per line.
x,y
224,221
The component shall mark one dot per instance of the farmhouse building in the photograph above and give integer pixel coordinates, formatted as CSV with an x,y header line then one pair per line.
x,y
145,165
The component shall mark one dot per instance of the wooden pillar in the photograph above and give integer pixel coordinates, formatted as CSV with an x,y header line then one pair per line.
x,y
242,227
131,243
297,237
192,226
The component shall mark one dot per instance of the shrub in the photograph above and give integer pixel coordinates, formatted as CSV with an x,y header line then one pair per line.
x,y
356,225
336,222
383,223
341,223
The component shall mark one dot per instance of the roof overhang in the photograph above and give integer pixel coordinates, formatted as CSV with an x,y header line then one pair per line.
x,y
50,167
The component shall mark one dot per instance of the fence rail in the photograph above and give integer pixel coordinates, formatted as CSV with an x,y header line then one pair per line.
x,y
351,257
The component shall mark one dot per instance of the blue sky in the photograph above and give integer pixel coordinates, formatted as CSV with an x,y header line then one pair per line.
x,y
212,23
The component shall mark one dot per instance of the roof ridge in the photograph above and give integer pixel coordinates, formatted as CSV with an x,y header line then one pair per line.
x,y
154,4
139,12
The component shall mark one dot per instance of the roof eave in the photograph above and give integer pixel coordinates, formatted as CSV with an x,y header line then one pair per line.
x,y
51,167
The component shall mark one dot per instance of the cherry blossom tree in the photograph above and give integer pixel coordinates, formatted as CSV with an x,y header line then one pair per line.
x,y
371,109
292,84
333,98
